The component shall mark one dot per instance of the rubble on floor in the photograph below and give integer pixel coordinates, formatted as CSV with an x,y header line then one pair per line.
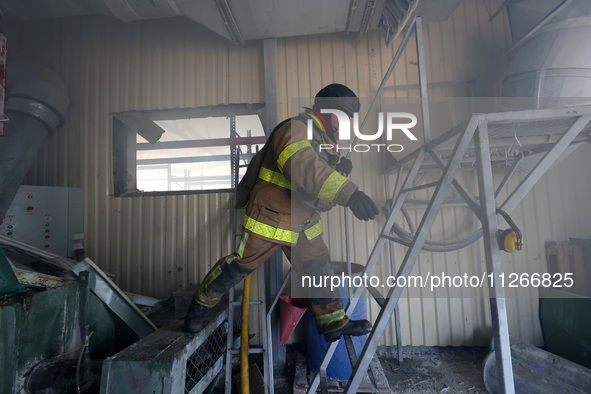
x,y
434,369
424,369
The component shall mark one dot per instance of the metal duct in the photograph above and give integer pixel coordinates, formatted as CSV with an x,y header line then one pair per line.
x,y
555,62
36,101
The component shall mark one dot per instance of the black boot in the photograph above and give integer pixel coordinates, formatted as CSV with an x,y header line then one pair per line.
x,y
194,317
353,327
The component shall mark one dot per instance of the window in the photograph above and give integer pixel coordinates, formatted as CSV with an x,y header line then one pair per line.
x,y
203,149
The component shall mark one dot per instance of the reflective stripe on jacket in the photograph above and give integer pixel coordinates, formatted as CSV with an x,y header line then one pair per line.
x,y
294,162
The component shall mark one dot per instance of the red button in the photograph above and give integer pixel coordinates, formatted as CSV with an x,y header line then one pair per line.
x,y
47,245
47,236
30,208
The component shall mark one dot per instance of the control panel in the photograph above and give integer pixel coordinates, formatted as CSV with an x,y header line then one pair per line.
x,y
46,217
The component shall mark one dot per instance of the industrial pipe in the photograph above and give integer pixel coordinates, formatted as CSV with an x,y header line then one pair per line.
x,y
555,62
18,148
36,101
244,375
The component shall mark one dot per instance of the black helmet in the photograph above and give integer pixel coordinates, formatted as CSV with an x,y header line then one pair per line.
x,y
337,96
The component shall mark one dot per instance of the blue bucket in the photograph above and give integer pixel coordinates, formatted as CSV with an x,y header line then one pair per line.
x,y
339,367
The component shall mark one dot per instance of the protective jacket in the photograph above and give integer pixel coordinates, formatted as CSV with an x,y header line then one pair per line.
x,y
295,163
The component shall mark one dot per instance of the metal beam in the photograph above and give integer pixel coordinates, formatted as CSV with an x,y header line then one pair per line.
x,y
429,146
379,299
460,188
393,271
266,333
366,18
177,160
230,22
271,328
499,10
544,164
493,257
275,266
508,175
199,112
395,59
537,114
500,118
350,350
420,187
232,142
423,80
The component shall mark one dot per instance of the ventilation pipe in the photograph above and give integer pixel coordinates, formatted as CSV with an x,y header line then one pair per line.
x,y
36,101
555,62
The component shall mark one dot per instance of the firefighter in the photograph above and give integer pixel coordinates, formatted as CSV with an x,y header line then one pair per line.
x,y
296,180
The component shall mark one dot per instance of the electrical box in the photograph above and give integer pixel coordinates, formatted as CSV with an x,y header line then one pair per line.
x,y
49,218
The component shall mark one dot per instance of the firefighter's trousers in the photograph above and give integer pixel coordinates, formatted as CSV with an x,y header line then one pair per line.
x,y
311,256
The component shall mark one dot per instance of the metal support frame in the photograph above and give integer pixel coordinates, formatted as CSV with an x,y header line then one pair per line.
x,y
3,117
493,258
508,175
270,383
423,80
230,22
485,210
370,7
377,296
547,161
266,346
476,132
460,188
275,270
233,154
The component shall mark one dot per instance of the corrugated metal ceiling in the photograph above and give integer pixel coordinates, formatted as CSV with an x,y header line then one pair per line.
x,y
243,20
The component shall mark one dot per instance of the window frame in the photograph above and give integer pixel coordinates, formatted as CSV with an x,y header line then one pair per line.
x,y
127,125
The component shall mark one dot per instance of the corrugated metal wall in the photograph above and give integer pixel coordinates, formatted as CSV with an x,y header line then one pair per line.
x,y
155,245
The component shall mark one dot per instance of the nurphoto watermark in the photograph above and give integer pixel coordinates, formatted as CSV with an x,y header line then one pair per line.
x,y
396,123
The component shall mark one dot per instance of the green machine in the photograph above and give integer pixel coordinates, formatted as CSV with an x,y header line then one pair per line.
x,y
59,320
9,284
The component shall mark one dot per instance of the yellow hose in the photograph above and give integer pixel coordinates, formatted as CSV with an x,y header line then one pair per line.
x,y
244,377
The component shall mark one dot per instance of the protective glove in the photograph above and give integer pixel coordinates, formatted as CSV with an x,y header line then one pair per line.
x,y
362,206
344,166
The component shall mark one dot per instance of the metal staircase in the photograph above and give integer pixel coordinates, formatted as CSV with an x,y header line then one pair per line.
x,y
545,132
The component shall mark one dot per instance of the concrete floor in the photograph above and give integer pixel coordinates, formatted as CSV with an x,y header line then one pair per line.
x,y
434,369
424,369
